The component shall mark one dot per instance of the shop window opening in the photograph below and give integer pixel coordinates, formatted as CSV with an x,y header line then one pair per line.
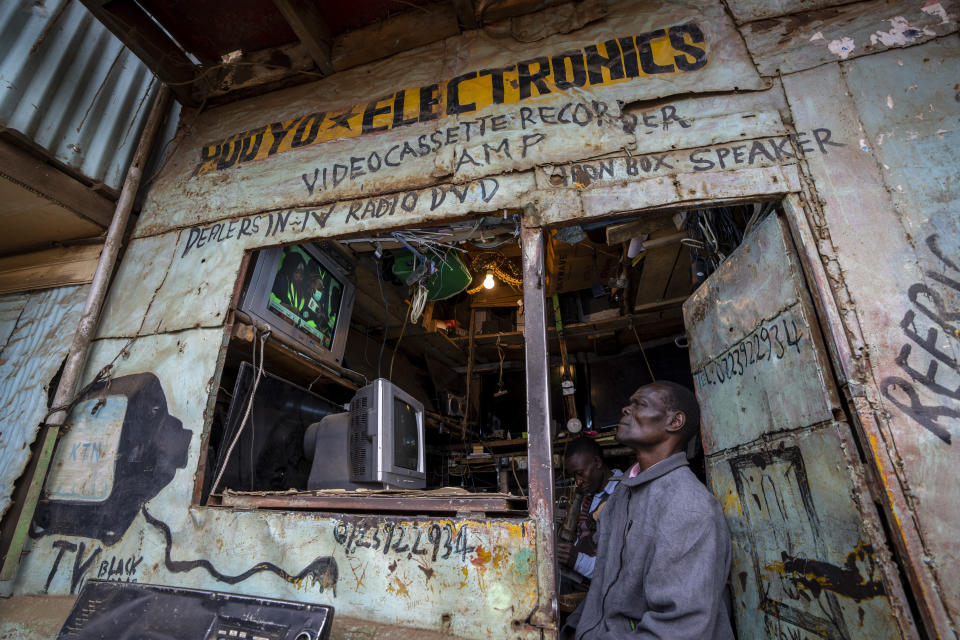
x,y
384,362
395,360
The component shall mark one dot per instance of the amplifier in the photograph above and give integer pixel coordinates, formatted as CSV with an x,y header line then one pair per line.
x,y
131,611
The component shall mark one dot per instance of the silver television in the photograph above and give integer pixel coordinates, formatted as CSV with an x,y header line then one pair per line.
x,y
379,443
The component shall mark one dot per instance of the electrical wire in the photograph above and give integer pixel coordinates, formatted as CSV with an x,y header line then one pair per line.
x,y
712,235
239,63
396,347
253,392
253,423
643,353
419,302
513,467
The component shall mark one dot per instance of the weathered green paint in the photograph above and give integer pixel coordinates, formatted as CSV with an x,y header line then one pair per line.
x,y
25,515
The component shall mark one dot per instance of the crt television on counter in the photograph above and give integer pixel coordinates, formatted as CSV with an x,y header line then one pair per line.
x,y
379,443
305,293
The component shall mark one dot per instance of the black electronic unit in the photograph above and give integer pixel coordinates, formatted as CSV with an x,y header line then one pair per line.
x,y
269,453
107,610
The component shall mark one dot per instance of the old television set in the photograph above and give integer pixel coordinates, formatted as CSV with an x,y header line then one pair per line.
x,y
305,293
379,443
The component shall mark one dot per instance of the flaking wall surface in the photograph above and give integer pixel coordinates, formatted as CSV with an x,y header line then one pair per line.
x,y
364,151
37,329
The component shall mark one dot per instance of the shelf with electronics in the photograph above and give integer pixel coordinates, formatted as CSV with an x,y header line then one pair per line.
x,y
437,313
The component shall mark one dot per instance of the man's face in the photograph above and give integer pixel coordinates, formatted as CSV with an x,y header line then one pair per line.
x,y
645,419
588,471
298,273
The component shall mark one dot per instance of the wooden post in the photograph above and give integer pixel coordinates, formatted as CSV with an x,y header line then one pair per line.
x,y
470,351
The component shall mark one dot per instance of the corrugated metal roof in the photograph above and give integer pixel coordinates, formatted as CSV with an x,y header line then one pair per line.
x,y
38,328
69,86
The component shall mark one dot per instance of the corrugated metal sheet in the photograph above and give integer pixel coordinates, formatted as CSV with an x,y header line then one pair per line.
x,y
37,343
11,306
69,86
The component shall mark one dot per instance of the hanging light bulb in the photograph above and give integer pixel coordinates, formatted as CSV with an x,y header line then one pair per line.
x,y
488,282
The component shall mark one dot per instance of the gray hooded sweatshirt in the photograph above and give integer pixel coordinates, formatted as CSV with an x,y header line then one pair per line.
x,y
663,558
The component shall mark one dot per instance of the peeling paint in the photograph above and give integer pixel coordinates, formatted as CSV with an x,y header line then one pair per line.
x,y
900,33
841,48
934,8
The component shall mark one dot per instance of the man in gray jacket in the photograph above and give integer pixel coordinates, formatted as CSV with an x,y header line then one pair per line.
x,y
663,555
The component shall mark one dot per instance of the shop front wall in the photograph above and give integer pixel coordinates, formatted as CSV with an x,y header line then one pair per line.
x,y
297,165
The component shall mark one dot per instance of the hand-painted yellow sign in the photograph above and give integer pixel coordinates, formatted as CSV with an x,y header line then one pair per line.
x,y
680,48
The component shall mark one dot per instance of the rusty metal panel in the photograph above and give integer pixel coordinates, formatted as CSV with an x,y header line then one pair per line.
x,y
37,344
69,86
756,362
685,122
606,172
11,305
810,552
470,578
805,40
539,446
879,257
803,565
390,126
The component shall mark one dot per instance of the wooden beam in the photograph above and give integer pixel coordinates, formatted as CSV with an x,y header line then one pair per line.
x,y
495,10
55,185
663,241
470,355
263,71
144,37
617,233
466,13
420,502
311,30
50,268
401,32
660,305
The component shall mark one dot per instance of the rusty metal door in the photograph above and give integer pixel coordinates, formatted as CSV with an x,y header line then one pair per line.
x,y
810,558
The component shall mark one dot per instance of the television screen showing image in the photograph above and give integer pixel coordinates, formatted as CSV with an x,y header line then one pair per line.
x,y
306,294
